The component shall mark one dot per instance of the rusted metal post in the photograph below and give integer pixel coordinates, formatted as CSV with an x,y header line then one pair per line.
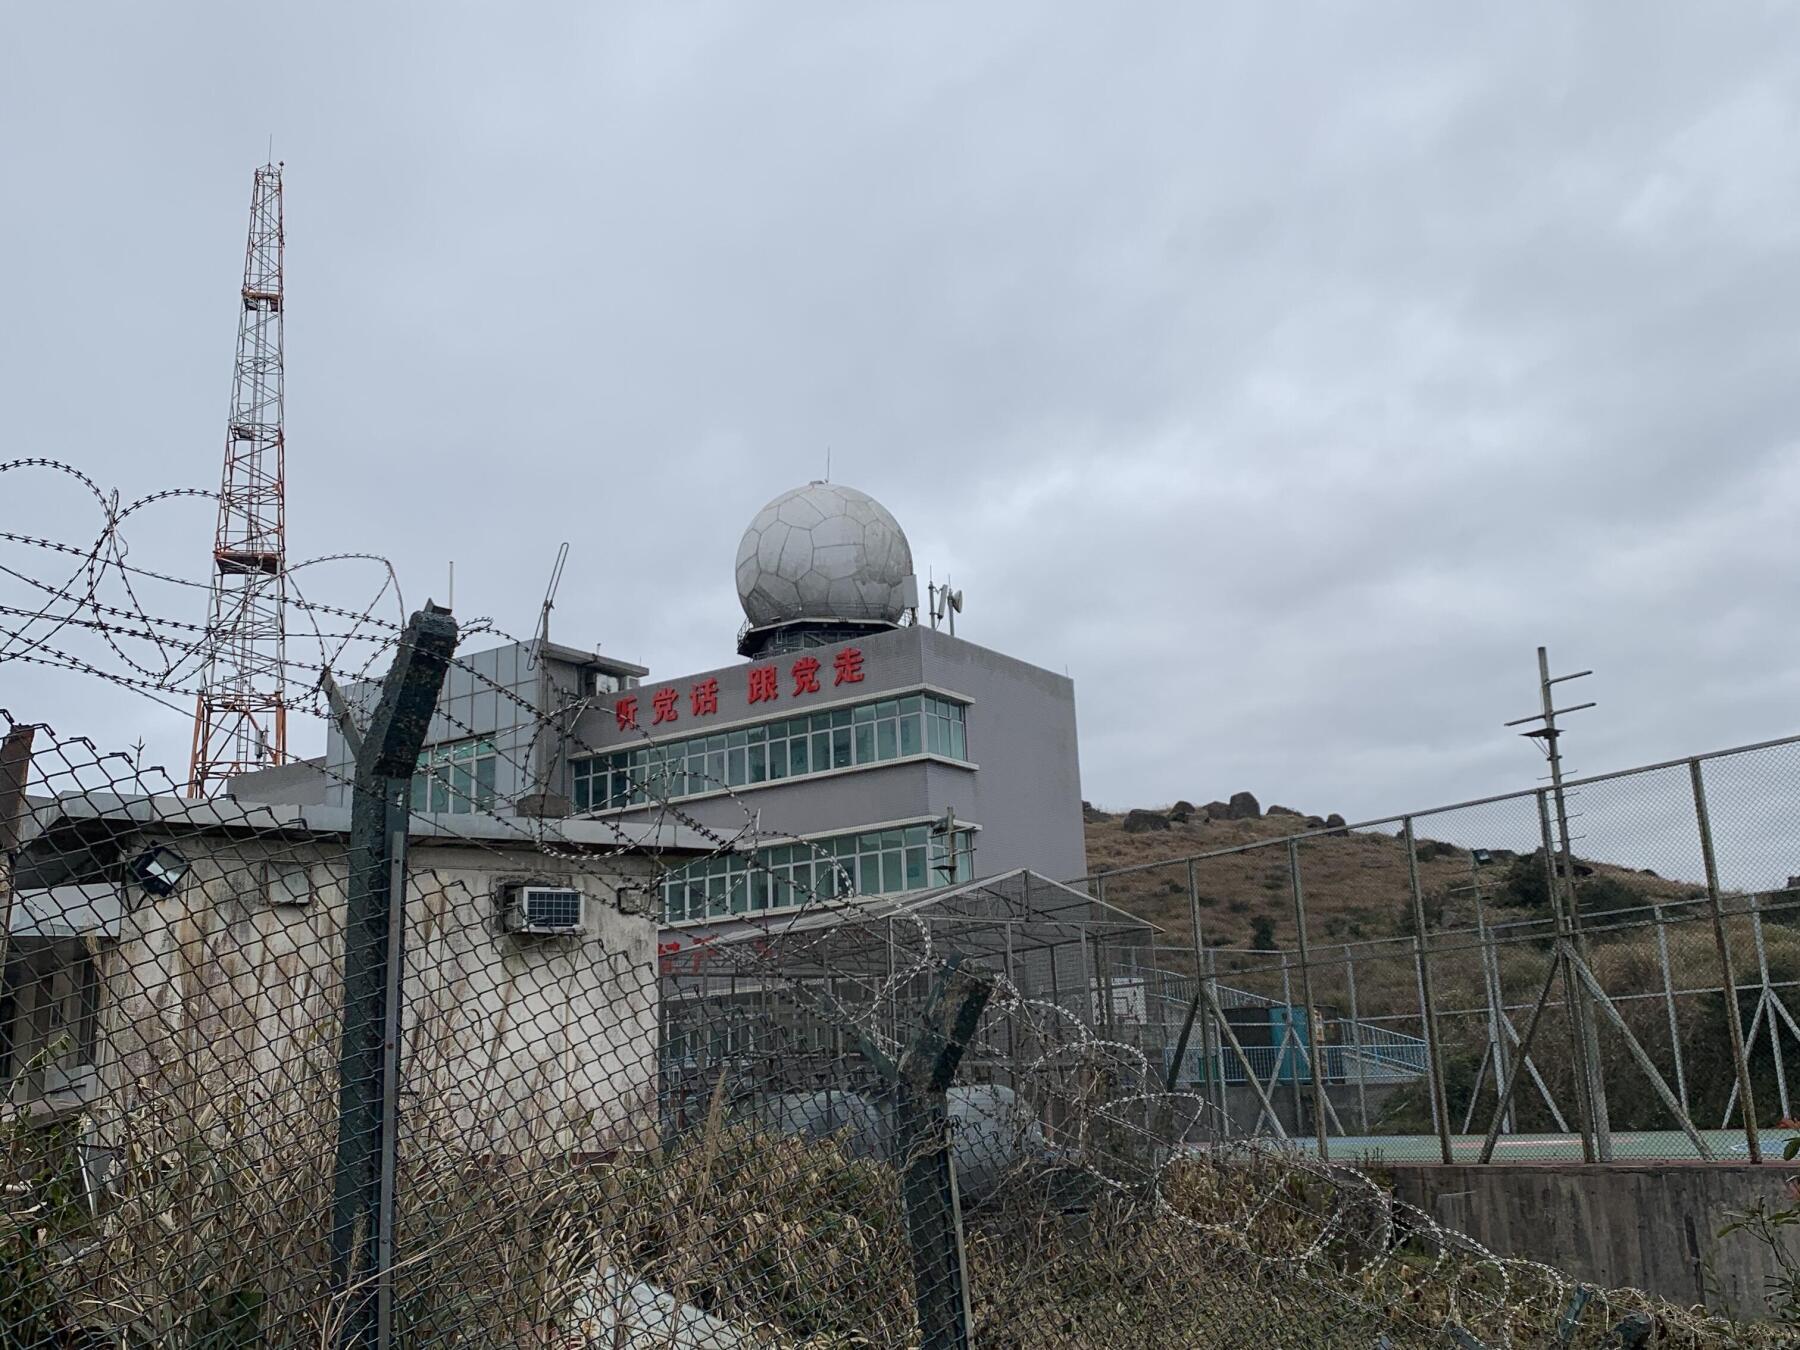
x,y
1434,1046
1314,1039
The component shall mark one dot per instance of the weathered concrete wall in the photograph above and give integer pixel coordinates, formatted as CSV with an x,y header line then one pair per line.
x,y
1652,1227
225,993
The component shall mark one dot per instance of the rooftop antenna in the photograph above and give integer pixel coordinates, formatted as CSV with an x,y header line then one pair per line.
x,y
1550,735
945,603
450,599
543,633
828,464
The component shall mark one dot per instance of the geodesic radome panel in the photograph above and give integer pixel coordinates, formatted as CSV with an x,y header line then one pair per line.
x,y
823,551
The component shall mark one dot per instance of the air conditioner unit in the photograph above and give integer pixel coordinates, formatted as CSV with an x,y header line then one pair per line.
x,y
546,909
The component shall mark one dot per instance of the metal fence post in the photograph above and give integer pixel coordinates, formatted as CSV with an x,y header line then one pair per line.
x,y
1434,1046
1768,1004
1362,1096
1284,1066
1734,1024
1314,1042
1496,1001
921,1080
1216,1066
1578,1043
1206,1031
1668,983
362,1252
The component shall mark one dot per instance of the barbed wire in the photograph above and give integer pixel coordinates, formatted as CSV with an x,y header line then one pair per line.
x,y
1329,1228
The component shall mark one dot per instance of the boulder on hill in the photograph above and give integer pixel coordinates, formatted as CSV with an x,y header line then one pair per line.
x,y
1334,821
1139,821
1243,806
1180,814
1282,811
1315,822
1093,815
1217,811
1185,806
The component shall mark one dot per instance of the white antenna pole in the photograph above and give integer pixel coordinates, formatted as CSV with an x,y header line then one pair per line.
x,y
450,601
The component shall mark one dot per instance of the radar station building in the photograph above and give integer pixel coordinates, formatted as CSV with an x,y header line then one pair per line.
x,y
849,750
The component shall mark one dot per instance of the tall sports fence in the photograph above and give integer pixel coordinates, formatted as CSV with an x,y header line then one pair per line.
x,y
1486,981
381,1074
285,1075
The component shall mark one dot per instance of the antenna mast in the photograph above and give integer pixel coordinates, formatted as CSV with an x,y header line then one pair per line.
x,y
241,722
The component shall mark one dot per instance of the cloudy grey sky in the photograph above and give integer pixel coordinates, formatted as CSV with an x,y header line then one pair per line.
x,y
1286,373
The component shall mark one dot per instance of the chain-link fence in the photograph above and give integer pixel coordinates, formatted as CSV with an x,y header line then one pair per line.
x,y
1500,979
313,1075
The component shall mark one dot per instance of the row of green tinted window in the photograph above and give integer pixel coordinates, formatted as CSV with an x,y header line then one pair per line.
x,y
881,862
837,739
457,779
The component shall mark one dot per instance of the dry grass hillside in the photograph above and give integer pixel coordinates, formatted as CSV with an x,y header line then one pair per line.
x,y
1356,884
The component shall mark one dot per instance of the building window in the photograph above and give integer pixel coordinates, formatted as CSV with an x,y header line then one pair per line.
x,y
880,862
49,1016
839,738
455,779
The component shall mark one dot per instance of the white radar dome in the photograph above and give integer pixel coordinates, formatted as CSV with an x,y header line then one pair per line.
x,y
823,551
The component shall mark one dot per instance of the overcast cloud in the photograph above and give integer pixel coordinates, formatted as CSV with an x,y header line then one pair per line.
x,y
1286,373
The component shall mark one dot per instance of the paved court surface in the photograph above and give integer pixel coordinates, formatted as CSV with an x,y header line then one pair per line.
x,y
1670,1145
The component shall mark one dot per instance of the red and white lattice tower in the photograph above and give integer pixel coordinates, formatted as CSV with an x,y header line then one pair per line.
x,y
241,722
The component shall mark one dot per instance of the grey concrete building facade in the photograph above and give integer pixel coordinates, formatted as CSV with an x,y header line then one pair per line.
x,y
853,750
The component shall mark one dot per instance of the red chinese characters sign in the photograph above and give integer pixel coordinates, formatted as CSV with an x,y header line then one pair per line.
x,y
762,684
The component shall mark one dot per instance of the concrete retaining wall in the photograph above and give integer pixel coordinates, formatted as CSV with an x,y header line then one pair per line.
x,y
1653,1227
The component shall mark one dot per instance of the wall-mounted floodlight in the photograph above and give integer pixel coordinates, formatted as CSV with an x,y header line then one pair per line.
x,y
160,870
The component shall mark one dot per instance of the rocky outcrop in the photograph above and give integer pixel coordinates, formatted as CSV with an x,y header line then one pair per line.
x,y
1093,815
1143,822
1243,806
